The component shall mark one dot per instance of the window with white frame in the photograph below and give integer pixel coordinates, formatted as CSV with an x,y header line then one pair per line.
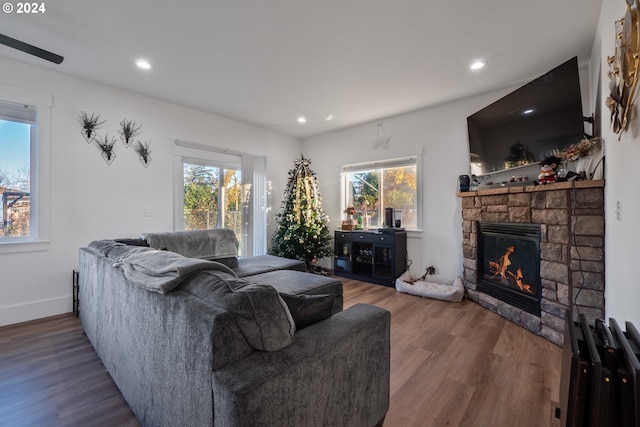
x,y
372,187
212,196
24,168
217,188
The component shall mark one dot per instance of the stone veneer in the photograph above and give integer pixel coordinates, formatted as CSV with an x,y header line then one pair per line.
x,y
571,249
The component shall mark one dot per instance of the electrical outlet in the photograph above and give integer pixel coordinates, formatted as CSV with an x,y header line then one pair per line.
x,y
149,212
619,210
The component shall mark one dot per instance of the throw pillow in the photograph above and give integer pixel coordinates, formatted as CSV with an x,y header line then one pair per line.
x,y
308,309
259,311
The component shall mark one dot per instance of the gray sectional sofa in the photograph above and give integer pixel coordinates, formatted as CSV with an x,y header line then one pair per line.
x,y
206,340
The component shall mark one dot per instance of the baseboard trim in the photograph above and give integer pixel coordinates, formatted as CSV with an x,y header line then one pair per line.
x,y
33,310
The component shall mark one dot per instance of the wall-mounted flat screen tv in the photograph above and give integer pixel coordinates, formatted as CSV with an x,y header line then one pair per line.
x,y
527,125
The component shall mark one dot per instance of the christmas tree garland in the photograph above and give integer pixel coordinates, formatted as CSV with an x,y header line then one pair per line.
x,y
302,232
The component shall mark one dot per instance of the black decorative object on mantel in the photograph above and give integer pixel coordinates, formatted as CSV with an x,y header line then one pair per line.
x,y
90,125
143,152
106,146
128,131
464,182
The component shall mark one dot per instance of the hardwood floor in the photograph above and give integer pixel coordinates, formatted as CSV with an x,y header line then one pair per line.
x,y
452,364
458,364
51,376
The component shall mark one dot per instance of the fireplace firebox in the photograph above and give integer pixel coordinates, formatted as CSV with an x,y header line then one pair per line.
x,y
509,264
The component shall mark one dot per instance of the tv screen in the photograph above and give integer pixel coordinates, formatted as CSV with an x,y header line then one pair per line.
x,y
527,125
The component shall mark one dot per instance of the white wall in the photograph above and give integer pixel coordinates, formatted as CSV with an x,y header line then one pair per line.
x,y
623,176
440,135
91,200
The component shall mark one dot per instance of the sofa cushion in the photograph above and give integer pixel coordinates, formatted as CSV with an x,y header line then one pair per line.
x,y
297,283
260,312
204,244
264,263
309,309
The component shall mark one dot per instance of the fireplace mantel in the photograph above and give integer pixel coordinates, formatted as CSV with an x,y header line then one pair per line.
x,y
571,217
534,188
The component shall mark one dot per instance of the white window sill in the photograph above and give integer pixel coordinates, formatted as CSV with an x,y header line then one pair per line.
x,y
8,247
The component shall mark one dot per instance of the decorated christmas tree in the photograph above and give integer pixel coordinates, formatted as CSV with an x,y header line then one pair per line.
x,y
302,233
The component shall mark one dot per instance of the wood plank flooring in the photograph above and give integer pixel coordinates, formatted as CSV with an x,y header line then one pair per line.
x,y
452,364
458,364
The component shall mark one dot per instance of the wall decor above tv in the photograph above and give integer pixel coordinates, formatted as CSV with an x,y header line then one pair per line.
x,y
528,124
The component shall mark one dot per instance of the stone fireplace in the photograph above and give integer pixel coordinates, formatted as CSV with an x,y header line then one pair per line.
x,y
551,255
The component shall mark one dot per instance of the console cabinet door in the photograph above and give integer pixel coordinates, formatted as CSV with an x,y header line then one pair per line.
x,y
343,251
383,260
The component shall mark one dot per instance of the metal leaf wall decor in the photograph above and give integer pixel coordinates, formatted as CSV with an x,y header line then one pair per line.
x,y
128,131
106,147
90,125
144,154
624,67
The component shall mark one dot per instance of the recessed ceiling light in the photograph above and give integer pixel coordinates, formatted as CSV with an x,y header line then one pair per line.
x,y
329,118
302,119
144,64
478,64
528,111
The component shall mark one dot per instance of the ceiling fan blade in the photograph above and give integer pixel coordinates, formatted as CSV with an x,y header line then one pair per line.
x,y
31,49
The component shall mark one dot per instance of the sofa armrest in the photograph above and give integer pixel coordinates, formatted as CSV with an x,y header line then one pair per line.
x,y
335,373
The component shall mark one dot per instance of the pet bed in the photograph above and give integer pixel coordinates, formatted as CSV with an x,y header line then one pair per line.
x,y
433,286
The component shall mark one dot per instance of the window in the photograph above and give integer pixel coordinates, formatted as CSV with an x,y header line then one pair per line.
x,y
212,197
220,188
372,187
24,169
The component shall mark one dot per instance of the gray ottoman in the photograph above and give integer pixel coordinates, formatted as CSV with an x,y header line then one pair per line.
x,y
297,282
265,263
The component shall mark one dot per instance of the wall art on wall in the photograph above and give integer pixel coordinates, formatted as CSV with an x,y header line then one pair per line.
x,y
90,125
144,154
624,66
106,144
128,131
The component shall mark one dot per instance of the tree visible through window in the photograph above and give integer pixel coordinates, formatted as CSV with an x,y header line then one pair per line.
x,y
15,177
212,197
371,188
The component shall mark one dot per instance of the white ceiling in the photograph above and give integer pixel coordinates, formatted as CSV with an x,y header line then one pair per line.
x,y
267,62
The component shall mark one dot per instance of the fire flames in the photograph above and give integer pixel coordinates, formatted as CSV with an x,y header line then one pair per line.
x,y
501,270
